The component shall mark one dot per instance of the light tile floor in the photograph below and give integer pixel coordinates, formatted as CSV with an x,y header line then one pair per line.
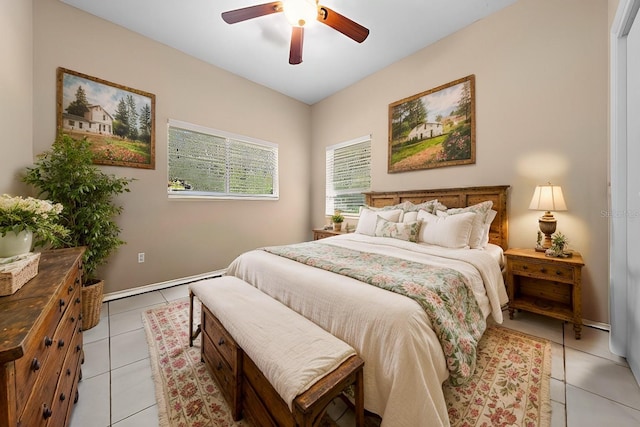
x,y
590,386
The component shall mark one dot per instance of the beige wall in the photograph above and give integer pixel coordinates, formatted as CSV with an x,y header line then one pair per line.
x,y
541,96
179,238
16,89
541,70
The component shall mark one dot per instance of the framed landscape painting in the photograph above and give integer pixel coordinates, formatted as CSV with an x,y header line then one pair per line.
x,y
434,129
117,120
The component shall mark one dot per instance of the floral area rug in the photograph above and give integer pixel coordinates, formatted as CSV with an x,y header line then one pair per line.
x,y
510,386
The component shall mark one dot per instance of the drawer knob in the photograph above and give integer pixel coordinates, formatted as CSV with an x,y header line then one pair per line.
x,y
219,366
60,343
46,413
48,341
559,273
72,319
77,281
70,289
75,399
78,300
62,397
524,267
543,270
68,372
78,348
62,303
35,365
221,341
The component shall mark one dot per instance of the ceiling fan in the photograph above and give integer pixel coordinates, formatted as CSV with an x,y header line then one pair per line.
x,y
298,13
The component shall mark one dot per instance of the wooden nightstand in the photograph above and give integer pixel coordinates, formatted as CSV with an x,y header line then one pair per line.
x,y
321,233
545,285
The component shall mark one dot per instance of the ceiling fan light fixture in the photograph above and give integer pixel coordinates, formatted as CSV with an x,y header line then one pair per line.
x,y
300,12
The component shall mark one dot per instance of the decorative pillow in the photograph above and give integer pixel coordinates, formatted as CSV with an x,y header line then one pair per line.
x,y
398,230
487,226
368,217
410,216
477,232
451,231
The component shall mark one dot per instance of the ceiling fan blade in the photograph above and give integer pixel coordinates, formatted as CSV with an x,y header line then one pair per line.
x,y
239,15
343,24
295,52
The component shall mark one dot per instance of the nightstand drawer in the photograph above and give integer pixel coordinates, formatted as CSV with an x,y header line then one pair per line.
x,y
543,270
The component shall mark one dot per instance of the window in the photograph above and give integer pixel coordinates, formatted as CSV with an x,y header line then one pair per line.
x,y
348,175
206,162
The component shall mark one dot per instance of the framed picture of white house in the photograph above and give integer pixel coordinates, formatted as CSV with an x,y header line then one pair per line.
x,y
434,128
117,120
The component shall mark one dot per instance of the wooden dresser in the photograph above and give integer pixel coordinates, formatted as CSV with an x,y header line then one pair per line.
x,y
41,344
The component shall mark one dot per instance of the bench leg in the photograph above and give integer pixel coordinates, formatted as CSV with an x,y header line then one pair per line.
x,y
192,335
359,398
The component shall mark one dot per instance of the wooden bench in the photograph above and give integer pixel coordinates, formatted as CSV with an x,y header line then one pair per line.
x,y
236,315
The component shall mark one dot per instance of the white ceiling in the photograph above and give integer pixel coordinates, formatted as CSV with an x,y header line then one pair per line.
x,y
258,49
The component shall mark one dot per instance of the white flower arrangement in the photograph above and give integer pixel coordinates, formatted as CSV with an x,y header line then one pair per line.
x,y
41,217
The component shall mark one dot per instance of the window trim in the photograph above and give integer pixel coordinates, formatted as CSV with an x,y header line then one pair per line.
x,y
203,195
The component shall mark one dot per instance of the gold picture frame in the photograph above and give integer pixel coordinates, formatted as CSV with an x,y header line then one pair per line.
x,y
118,121
433,129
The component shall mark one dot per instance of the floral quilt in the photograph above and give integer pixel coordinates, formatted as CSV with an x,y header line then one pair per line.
x,y
442,292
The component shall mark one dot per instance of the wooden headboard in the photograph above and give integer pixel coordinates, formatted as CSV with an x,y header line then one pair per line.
x,y
454,198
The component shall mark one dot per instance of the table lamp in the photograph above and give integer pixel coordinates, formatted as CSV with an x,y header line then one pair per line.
x,y
547,198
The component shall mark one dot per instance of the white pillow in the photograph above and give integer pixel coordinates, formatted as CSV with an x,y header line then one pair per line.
x,y
487,226
367,221
398,230
451,231
478,228
411,216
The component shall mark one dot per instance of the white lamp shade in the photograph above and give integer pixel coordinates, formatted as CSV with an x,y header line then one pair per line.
x,y
548,198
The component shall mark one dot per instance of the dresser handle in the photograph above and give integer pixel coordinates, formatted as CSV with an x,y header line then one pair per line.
x,y
221,341
60,343
35,365
77,281
78,300
70,289
543,270
46,413
62,303
48,341
72,319
559,273
524,267
75,399
62,397
78,348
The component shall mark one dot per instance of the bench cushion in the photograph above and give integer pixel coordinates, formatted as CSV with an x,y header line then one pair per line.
x,y
292,352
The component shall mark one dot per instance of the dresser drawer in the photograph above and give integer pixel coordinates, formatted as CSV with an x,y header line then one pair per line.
x,y
223,358
222,372
66,389
542,270
220,339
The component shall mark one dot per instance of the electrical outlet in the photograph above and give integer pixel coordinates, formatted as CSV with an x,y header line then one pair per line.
x,y
141,257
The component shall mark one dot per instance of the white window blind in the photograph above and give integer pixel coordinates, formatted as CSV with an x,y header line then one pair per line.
x,y
205,162
348,175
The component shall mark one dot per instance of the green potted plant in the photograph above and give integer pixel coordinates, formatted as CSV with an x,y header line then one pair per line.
x,y
337,219
66,174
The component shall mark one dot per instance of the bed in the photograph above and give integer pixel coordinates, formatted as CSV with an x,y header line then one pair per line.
x,y
407,355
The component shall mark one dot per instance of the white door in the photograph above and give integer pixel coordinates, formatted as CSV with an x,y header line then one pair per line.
x,y
633,197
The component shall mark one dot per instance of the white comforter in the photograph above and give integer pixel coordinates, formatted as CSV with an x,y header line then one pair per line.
x,y
404,363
